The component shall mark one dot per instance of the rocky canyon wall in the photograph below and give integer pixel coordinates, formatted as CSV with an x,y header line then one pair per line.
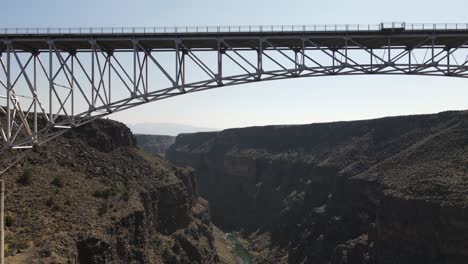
x,y
92,197
390,190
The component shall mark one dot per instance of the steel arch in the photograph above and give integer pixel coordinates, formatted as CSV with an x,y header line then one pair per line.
x,y
80,72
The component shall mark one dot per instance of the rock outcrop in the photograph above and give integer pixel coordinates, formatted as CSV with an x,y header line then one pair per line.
x,y
383,191
93,197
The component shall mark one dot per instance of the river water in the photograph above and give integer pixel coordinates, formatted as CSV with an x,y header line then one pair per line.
x,y
241,252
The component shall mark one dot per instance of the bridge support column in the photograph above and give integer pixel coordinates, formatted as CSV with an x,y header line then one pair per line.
x,y
299,60
302,54
259,60
51,81
35,98
8,95
389,43
410,54
145,60
135,54
93,59
219,75
448,61
180,67
72,86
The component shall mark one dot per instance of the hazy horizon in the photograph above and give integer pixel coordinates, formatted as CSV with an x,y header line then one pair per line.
x,y
174,129
166,129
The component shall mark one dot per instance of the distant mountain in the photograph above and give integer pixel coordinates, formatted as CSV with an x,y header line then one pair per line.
x,y
171,129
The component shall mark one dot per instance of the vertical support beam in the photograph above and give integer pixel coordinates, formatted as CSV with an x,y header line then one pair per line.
x,y
179,67
51,81
260,60
333,60
219,75
145,60
72,72
177,62
410,62
432,50
8,79
109,57
93,58
448,61
296,59
297,62
135,62
303,54
389,51
182,73
35,98
346,50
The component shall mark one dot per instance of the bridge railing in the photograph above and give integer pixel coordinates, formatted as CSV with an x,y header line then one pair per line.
x,y
235,29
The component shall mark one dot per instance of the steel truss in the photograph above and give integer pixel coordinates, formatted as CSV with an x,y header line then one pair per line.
x,y
48,87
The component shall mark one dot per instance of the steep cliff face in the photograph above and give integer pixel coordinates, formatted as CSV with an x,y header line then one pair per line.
x,y
154,144
391,190
92,197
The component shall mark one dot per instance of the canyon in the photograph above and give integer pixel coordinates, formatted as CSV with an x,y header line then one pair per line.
x,y
386,191
382,191
154,144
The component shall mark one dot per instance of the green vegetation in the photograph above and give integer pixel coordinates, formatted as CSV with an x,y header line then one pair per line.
x,y
240,250
106,193
8,221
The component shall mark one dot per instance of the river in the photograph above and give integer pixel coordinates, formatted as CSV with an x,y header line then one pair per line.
x,y
241,252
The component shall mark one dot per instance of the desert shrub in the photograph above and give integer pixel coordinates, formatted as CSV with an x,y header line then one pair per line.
x,y
103,208
105,181
18,245
45,252
58,181
53,204
25,178
125,196
8,221
105,193
50,202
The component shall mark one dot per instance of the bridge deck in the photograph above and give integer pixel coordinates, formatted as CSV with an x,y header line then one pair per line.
x,y
248,40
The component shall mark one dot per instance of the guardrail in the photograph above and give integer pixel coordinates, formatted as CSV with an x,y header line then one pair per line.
x,y
237,29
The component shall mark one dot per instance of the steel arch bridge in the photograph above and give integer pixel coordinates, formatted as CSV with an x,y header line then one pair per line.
x,y
53,79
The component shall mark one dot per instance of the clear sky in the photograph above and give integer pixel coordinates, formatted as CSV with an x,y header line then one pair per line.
x,y
279,102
